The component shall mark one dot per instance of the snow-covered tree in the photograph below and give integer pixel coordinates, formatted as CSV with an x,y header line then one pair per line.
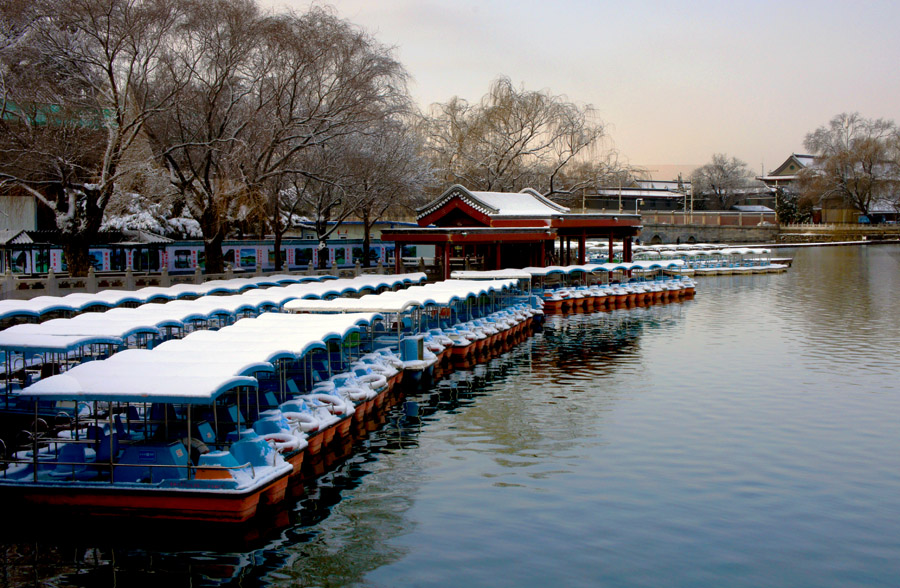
x,y
255,92
514,138
73,101
720,183
387,171
857,162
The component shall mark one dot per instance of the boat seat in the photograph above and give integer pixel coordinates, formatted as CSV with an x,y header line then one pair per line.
x,y
172,455
292,387
255,451
72,460
267,426
206,433
269,399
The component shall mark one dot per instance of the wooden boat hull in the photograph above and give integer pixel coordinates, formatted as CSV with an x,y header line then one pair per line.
x,y
172,504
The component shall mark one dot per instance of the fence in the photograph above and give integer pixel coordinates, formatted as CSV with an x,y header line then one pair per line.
x,y
713,218
810,232
23,288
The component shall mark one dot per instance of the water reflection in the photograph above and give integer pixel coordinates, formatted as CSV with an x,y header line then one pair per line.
x,y
560,388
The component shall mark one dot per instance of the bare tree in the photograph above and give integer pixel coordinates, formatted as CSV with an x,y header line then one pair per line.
x,y
511,140
73,101
590,174
256,93
214,69
722,181
388,172
857,162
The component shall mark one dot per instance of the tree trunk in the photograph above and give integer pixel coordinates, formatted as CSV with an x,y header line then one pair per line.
x,y
78,255
279,262
323,254
215,261
367,240
213,235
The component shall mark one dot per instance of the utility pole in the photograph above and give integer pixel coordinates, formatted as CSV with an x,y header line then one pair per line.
x,y
692,202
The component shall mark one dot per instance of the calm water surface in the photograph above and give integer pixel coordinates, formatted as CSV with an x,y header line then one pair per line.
x,y
748,437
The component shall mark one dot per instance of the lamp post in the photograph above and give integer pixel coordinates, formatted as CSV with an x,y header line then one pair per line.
x,y
637,202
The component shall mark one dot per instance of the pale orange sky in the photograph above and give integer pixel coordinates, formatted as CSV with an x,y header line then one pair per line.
x,y
675,82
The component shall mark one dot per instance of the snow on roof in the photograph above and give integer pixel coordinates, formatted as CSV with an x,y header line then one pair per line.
x,y
663,184
528,203
644,265
132,382
638,193
525,203
14,237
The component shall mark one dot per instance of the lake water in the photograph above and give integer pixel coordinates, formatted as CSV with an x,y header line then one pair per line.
x,y
748,437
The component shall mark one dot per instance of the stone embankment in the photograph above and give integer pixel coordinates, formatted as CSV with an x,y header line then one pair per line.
x,y
810,233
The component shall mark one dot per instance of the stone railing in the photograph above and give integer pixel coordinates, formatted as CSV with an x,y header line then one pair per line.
x,y
29,286
709,218
811,233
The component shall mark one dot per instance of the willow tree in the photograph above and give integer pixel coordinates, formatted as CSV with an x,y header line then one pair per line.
x,y
514,138
255,93
329,85
857,162
722,181
74,101
214,68
387,171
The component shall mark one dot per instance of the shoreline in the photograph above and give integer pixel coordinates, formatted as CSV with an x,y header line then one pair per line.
x,y
832,243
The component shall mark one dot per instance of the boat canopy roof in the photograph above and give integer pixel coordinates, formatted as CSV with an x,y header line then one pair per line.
x,y
99,380
641,265
435,294
169,373
503,274
118,324
34,343
78,302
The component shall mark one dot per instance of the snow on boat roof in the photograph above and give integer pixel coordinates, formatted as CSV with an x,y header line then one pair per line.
x,y
513,274
234,360
312,286
50,343
34,307
641,265
170,372
90,325
439,293
131,382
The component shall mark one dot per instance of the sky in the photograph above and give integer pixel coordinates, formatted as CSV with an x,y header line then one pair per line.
x,y
674,82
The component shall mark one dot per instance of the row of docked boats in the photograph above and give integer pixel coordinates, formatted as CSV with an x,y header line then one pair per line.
x,y
30,350
219,423
42,308
714,260
604,286
617,295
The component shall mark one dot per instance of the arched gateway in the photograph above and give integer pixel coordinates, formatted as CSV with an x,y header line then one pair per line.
x,y
509,229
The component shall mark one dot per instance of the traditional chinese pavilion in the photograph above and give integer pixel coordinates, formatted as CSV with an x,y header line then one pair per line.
x,y
509,229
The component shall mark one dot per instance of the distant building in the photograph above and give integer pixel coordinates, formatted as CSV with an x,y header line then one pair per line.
x,y
497,230
652,195
829,209
785,175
